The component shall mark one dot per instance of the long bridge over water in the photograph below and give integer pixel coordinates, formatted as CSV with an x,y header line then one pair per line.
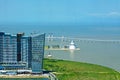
x,y
63,38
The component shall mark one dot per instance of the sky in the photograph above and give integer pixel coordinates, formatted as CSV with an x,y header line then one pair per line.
x,y
72,17
60,11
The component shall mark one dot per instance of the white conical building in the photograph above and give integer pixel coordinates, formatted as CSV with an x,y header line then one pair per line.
x,y
72,46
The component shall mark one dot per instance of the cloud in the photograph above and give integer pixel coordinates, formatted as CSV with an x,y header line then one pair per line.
x,y
96,14
114,14
110,14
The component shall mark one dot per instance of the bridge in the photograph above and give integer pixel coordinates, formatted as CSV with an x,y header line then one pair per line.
x,y
63,38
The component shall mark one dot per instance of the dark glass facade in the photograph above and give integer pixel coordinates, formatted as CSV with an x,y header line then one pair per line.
x,y
1,46
20,52
38,42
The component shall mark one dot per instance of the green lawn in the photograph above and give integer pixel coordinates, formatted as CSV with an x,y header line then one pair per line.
x,y
69,70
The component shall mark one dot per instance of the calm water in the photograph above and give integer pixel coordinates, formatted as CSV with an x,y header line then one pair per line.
x,y
97,52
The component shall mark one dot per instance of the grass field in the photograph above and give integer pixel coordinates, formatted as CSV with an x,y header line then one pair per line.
x,y
69,70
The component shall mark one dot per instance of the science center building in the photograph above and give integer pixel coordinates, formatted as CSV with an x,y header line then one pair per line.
x,y
18,52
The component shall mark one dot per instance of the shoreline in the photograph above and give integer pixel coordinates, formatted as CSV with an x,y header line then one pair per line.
x,y
71,70
64,49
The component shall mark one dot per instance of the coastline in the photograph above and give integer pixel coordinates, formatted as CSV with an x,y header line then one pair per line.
x,y
71,70
64,49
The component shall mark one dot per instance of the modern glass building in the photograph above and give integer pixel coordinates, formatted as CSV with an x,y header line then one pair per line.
x,y
8,48
21,52
37,42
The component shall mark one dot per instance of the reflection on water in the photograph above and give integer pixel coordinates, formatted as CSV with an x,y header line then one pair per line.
x,y
72,54
71,51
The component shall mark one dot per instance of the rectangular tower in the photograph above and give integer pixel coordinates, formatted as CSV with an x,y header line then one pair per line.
x,y
38,42
19,36
1,46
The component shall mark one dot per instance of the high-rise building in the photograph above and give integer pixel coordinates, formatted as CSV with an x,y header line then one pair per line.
x,y
21,52
37,42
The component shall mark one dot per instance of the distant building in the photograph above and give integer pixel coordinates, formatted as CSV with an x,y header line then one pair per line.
x,y
21,52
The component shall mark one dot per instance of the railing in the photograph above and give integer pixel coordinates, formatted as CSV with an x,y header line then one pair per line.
x,y
52,76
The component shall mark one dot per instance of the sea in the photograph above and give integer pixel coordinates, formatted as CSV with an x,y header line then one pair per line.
x,y
99,44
